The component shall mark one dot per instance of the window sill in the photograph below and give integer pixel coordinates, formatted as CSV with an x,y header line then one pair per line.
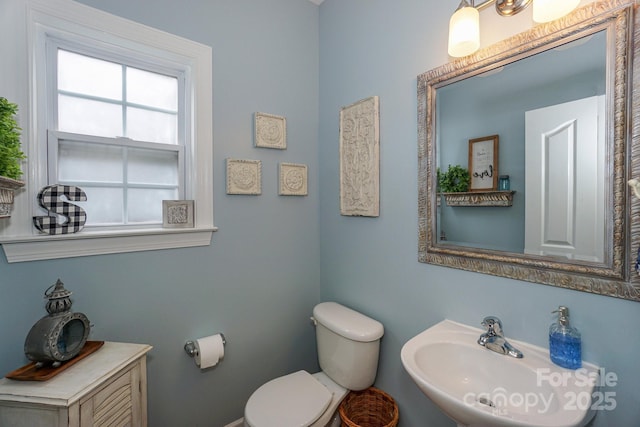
x,y
42,247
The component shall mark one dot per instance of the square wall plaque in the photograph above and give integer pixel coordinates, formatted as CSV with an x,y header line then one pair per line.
x,y
244,177
270,131
292,180
177,213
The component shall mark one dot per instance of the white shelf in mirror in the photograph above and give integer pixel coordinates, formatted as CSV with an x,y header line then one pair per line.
x,y
480,198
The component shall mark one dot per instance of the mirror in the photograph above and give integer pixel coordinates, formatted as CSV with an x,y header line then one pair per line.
x,y
549,108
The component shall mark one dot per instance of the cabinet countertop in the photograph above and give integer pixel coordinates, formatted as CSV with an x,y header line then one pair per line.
x,y
70,385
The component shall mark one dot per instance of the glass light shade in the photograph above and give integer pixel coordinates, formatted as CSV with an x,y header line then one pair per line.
x,y
464,32
550,10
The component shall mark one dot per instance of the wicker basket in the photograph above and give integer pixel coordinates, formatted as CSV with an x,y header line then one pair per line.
x,y
369,408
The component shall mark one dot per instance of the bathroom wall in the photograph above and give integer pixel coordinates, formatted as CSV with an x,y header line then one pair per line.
x,y
259,279
377,47
275,257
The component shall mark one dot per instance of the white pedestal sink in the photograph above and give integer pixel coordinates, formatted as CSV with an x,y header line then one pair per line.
x,y
481,388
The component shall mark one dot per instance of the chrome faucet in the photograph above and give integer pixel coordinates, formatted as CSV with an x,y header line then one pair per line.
x,y
494,339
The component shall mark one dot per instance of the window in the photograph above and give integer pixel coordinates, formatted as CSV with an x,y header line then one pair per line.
x,y
116,135
122,111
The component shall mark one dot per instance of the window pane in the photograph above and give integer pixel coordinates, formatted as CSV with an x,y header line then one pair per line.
x,y
145,205
89,76
103,205
152,126
89,117
153,167
78,161
152,89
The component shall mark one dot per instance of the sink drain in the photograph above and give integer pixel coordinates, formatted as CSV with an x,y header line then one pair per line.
x,y
485,401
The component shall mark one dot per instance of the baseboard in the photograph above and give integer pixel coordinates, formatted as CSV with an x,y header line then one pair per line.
x,y
236,423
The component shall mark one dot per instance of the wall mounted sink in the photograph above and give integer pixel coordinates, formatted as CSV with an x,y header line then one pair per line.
x,y
478,387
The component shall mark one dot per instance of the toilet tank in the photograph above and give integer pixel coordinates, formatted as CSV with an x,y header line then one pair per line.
x,y
348,345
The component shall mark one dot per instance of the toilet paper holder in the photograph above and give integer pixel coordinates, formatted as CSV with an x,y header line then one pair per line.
x,y
191,349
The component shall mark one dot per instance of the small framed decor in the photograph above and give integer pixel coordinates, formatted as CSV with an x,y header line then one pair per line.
x,y
244,177
360,158
292,180
270,131
177,213
483,163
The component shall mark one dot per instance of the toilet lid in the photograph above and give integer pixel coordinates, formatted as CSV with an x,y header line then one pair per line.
x,y
295,400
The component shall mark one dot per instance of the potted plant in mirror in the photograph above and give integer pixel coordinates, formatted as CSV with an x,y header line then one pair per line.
x,y
455,180
10,156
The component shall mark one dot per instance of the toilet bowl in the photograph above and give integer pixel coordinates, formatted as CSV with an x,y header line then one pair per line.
x,y
348,348
297,399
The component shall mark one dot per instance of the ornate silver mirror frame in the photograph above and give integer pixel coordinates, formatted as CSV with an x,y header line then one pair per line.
x,y
615,277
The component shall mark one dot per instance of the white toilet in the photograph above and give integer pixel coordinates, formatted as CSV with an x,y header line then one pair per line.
x,y
348,348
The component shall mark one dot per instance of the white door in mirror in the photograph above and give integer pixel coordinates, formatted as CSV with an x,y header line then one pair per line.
x,y
565,164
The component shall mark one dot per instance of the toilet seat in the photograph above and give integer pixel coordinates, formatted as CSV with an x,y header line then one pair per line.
x,y
294,400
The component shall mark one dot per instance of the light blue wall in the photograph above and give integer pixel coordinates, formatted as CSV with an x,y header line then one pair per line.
x,y
275,257
260,278
377,47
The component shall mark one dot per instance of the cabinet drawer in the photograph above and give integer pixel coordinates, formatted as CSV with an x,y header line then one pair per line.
x,y
21,415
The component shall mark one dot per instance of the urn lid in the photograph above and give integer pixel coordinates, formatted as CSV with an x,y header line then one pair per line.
x,y
58,297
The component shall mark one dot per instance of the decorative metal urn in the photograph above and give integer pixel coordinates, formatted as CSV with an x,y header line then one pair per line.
x,y
59,336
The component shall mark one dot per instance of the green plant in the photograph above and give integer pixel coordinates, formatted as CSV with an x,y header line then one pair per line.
x,y
10,154
455,180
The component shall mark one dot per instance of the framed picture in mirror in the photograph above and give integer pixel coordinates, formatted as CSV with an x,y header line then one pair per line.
x,y
483,163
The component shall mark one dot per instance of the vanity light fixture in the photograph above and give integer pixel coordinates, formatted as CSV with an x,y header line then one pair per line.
x,y
464,25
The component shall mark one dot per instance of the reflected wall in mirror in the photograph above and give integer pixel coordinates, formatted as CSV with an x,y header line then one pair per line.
x,y
557,97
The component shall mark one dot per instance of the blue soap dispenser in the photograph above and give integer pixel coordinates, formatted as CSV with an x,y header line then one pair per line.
x,y
565,344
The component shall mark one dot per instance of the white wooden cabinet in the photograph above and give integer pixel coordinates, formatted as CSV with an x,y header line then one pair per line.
x,y
108,388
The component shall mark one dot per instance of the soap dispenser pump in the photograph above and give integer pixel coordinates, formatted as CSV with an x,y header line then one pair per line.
x,y
565,345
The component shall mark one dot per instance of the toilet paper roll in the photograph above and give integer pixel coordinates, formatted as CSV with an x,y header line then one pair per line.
x,y
209,351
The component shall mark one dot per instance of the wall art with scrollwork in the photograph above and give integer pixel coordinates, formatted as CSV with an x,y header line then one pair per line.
x,y
360,158
292,179
270,131
244,177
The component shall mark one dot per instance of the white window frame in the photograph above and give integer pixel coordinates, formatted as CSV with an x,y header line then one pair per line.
x,y
69,20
